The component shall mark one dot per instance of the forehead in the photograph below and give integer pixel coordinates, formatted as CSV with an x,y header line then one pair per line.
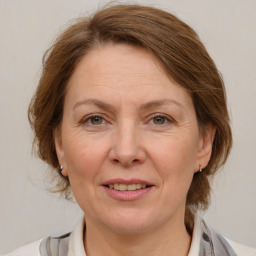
x,y
117,59
123,69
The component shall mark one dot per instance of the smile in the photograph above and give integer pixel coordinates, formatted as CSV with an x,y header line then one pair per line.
x,y
126,187
127,190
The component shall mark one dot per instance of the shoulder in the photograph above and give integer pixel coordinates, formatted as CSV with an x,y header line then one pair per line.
x,y
31,249
210,240
55,245
242,250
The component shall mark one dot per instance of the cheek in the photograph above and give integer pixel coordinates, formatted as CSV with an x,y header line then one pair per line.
x,y
174,160
174,152
83,157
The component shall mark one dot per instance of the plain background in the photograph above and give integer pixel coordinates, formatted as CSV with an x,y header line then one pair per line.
x,y
27,29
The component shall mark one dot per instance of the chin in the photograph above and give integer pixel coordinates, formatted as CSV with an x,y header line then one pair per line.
x,y
131,222
130,227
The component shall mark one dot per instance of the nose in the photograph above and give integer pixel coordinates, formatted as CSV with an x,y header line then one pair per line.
x,y
127,146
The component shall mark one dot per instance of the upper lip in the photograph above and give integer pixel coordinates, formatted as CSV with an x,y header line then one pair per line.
x,y
127,182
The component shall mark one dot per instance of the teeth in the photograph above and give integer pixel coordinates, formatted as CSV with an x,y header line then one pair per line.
x,y
121,187
124,187
131,187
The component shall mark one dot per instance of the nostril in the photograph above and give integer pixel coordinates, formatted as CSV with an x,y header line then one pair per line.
x,y
126,162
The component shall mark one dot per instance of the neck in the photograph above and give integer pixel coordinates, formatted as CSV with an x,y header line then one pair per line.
x,y
168,240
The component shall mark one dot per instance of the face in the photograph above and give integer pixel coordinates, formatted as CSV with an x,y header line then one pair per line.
x,y
129,140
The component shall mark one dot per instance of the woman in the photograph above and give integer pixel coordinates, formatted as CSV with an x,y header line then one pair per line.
x,y
131,113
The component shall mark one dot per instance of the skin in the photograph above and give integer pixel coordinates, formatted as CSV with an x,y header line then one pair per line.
x,y
145,128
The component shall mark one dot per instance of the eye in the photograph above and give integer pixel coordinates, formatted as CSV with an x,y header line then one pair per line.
x,y
159,120
92,120
95,120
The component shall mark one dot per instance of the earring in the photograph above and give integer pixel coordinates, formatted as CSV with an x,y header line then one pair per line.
x,y
61,169
200,168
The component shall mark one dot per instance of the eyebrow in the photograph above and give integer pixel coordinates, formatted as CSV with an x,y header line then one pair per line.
x,y
145,106
95,102
157,103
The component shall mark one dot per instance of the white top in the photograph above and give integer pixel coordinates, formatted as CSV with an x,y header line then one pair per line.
x,y
76,245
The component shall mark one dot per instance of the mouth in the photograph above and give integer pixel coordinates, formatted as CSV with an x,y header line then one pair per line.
x,y
127,190
127,187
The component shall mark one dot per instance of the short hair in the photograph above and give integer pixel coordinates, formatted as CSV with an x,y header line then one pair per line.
x,y
183,57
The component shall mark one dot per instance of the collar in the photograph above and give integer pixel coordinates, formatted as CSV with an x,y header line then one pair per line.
x,y
76,242
76,245
196,237
205,242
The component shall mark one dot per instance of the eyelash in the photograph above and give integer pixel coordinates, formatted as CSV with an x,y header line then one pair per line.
x,y
168,120
88,119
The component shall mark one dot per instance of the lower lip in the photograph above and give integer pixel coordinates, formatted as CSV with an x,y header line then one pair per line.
x,y
127,195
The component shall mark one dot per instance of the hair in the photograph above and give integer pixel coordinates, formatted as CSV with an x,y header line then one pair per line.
x,y
183,57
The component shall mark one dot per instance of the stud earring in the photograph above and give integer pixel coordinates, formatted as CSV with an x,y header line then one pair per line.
x,y
200,168
61,169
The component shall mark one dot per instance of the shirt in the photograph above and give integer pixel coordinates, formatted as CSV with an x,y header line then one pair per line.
x,y
73,245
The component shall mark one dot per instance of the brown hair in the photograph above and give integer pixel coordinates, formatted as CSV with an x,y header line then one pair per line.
x,y
183,57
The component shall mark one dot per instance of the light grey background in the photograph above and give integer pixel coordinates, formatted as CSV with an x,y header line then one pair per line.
x,y
27,29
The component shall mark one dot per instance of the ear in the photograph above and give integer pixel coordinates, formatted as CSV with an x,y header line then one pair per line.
x,y
59,150
205,146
